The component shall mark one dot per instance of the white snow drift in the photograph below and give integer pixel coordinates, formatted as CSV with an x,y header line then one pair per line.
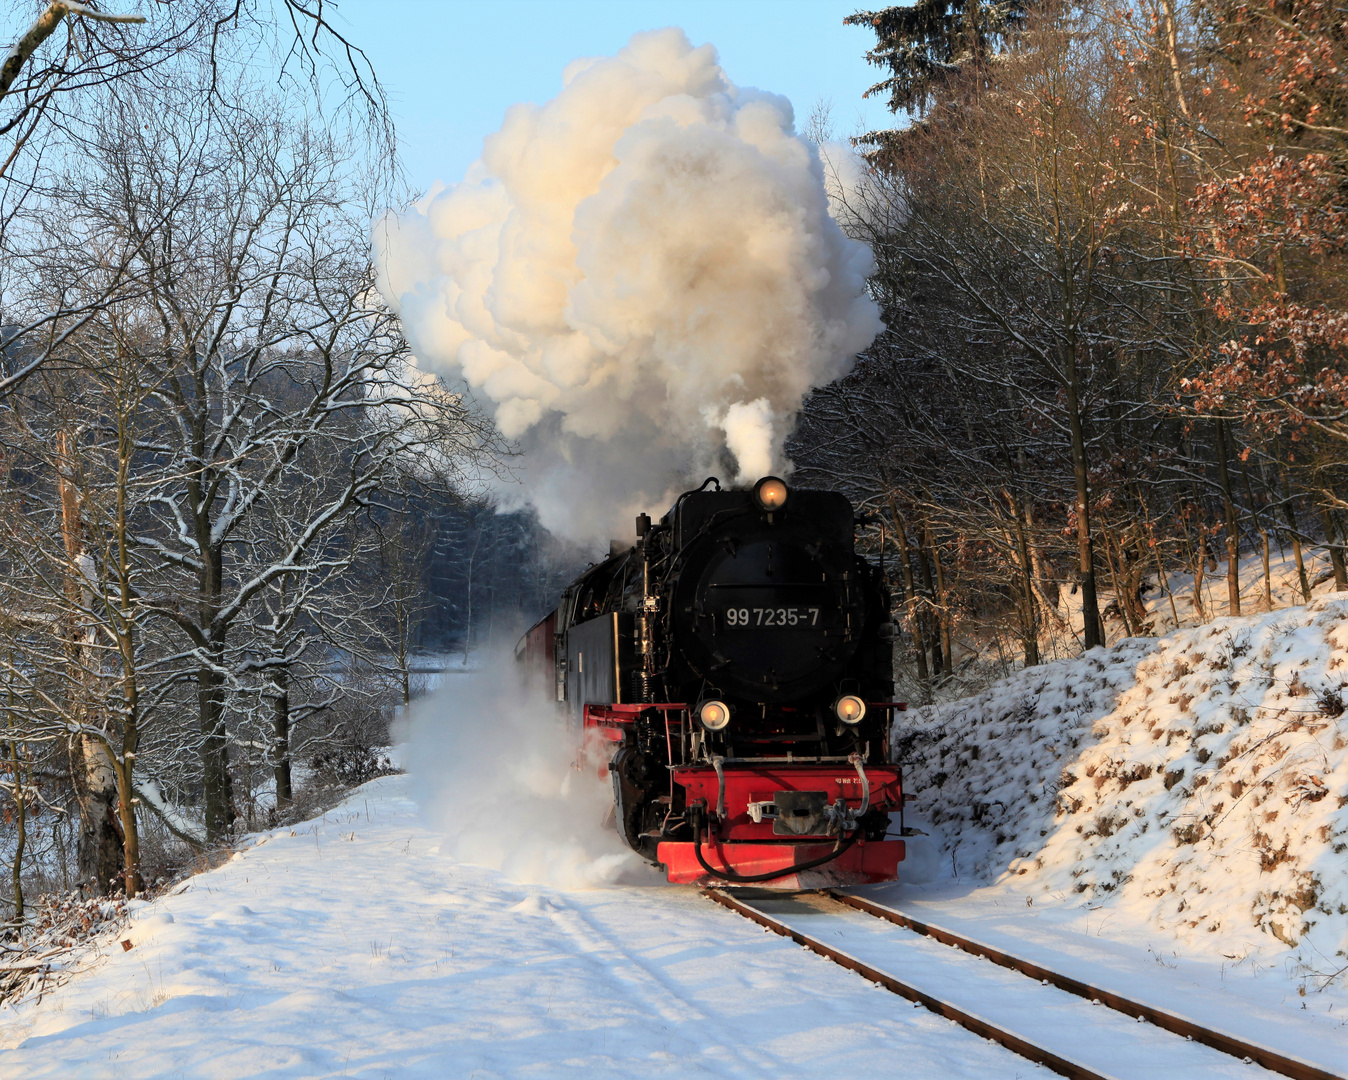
x,y
1198,781
638,277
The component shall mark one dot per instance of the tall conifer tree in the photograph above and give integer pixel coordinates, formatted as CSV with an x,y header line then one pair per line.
x,y
924,44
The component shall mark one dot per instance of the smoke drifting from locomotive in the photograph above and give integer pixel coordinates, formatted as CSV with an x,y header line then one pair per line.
x,y
640,278
494,775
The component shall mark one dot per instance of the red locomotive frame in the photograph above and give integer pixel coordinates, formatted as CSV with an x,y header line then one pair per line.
x,y
737,844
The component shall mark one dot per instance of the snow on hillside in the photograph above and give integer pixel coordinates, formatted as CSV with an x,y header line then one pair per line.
x,y
1173,602
1196,783
1170,602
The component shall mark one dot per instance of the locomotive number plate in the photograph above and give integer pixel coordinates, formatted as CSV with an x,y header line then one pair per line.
x,y
777,617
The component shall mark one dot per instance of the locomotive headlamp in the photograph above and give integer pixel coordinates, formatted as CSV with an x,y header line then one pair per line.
x,y
770,493
849,709
714,715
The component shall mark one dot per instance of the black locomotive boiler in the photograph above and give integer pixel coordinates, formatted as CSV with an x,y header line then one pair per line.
x,y
731,673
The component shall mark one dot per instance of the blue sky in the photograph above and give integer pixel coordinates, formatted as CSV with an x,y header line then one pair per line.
x,y
453,67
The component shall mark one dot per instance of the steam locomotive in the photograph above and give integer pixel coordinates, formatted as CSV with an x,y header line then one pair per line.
x,y
731,674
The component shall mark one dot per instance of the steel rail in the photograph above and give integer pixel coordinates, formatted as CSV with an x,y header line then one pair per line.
x,y
1168,1021
967,1020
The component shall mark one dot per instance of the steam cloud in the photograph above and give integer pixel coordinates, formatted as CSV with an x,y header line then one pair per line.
x,y
640,277
491,769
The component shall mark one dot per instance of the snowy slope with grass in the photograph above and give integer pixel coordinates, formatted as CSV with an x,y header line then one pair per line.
x,y
1195,783
1170,601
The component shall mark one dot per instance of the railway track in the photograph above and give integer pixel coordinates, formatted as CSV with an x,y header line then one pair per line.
x,y
821,921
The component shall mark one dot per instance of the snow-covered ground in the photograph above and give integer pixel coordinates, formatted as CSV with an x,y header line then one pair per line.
x,y
1170,602
1158,818
1107,1042
353,946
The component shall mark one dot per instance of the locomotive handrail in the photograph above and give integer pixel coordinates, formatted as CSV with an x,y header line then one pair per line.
x,y
716,762
855,759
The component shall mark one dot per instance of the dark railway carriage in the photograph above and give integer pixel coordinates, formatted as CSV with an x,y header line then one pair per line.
x,y
732,675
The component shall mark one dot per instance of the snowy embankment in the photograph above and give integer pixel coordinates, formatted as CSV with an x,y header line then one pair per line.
x,y
1195,783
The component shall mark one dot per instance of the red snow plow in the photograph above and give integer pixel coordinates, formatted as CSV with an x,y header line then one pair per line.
x,y
779,824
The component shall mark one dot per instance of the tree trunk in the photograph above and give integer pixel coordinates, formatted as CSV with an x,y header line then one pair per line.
x,y
1200,564
1335,549
941,660
123,770
99,854
126,806
1048,590
20,828
1289,515
1232,524
217,793
1093,632
1134,571
99,857
1165,584
1030,624
124,624
910,595
929,587
216,788
1262,528
126,766
468,593
1268,584
402,616
1116,580
280,724
944,610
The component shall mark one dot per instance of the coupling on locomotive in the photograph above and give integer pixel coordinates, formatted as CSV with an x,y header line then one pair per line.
x,y
731,674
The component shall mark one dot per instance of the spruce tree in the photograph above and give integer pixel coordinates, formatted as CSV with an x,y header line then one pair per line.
x,y
924,45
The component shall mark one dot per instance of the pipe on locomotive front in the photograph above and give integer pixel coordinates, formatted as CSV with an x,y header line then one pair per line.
x,y
753,879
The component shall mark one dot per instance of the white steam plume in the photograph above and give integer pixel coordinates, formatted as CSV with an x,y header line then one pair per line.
x,y
491,769
752,435
638,277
